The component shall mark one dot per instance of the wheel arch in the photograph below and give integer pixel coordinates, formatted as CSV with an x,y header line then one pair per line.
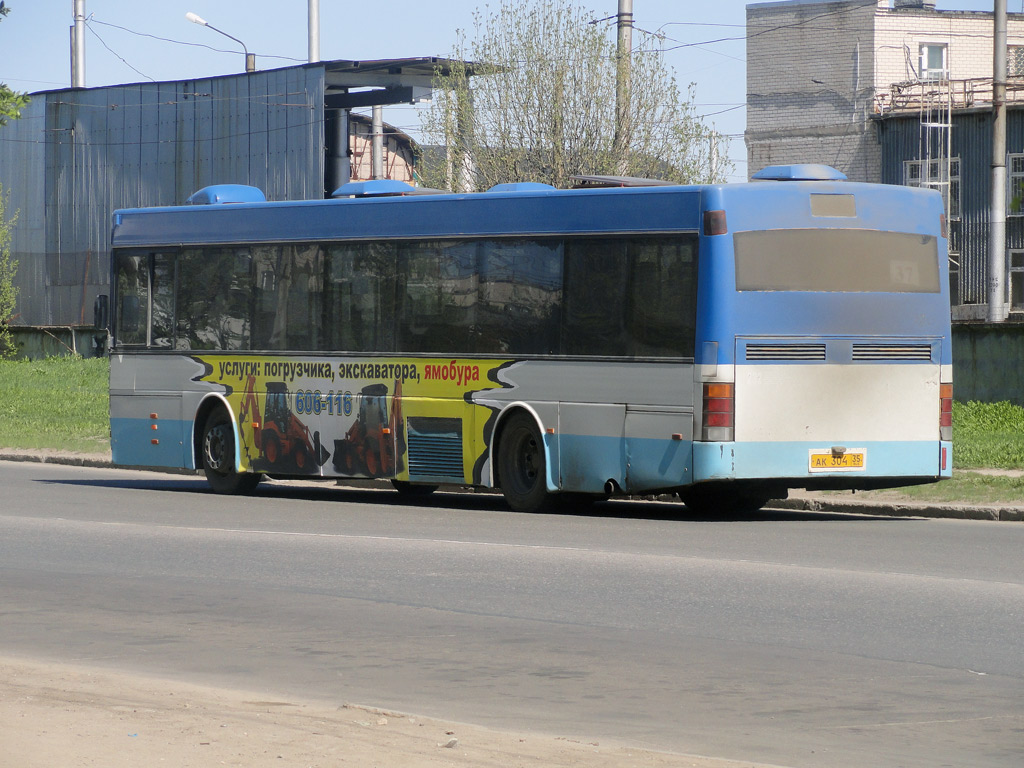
x,y
495,447
208,405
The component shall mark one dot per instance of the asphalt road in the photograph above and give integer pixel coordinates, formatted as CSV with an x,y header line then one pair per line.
x,y
796,639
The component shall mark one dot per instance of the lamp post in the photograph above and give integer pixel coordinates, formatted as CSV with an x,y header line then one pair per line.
x,y
250,58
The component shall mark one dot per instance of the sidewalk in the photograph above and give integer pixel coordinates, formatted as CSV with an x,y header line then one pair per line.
x,y
845,502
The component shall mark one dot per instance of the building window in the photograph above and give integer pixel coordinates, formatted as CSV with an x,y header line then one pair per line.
x,y
1015,177
1015,61
934,174
932,61
1017,281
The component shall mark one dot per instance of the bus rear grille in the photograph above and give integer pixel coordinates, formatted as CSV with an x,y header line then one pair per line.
x,y
435,448
892,351
785,352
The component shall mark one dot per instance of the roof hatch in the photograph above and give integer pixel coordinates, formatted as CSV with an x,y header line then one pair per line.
x,y
800,172
227,193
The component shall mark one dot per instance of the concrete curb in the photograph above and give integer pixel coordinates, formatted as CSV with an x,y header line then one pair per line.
x,y
797,503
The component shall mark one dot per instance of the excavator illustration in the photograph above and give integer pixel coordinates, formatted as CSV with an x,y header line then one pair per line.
x,y
285,444
375,443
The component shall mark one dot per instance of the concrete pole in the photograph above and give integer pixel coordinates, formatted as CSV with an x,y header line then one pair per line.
x,y
623,51
78,46
377,126
314,31
997,310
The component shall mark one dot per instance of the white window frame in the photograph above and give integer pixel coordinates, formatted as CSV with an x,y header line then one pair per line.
x,y
931,174
926,73
1015,61
1015,184
1016,279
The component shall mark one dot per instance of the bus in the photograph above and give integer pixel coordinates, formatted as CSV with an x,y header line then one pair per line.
x,y
725,343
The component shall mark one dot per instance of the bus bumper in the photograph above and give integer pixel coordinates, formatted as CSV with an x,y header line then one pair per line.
x,y
790,463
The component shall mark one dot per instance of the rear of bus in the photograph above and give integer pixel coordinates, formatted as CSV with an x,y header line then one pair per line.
x,y
823,350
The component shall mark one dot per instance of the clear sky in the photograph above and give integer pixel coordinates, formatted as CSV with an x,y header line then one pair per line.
x,y
131,41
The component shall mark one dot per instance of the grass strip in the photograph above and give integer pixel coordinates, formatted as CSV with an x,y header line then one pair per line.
x,y
60,403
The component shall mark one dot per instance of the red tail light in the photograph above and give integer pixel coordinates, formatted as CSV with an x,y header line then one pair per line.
x,y
945,411
719,408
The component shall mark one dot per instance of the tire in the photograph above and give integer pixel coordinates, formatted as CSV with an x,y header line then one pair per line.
x,y
413,490
218,456
522,466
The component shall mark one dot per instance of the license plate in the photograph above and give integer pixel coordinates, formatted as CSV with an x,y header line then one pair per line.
x,y
826,460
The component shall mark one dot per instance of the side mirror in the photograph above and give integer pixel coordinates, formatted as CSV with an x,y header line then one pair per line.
x,y
101,311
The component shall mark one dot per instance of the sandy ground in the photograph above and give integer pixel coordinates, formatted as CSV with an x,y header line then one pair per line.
x,y
53,715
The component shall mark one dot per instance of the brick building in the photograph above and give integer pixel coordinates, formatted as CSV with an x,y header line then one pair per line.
x,y
898,92
820,72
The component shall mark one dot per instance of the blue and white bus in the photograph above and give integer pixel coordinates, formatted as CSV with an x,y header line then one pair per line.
x,y
723,342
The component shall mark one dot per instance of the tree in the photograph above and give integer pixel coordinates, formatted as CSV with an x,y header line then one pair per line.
x,y
539,105
11,102
8,291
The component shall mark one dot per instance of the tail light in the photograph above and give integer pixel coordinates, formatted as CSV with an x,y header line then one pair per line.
x,y
719,410
945,411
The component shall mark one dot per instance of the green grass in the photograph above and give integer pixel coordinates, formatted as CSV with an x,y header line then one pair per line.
x,y
59,403
965,486
988,435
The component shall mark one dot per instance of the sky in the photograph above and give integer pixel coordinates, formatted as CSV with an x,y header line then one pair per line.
x,y
129,41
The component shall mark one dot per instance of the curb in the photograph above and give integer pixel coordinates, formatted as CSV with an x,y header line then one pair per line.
x,y
799,504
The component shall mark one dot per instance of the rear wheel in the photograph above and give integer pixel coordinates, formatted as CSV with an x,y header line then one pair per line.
x,y
522,465
219,457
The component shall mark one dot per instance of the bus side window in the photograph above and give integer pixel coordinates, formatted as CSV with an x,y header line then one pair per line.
x,y
359,300
212,311
162,332
132,307
594,312
663,297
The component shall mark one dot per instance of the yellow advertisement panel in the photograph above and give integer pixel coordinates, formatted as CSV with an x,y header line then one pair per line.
x,y
401,418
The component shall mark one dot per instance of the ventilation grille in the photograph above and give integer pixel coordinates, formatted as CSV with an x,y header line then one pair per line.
x,y
892,351
435,448
785,352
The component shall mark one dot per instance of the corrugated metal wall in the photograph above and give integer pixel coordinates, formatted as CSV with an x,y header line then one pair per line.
x,y
971,141
77,155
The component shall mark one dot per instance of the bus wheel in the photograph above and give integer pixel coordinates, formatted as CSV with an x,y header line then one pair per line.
x,y
522,465
219,457
412,490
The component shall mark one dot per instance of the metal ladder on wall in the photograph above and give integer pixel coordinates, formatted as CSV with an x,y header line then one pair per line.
x,y
935,139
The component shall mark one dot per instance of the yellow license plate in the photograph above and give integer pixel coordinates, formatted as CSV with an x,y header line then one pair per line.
x,y
851,460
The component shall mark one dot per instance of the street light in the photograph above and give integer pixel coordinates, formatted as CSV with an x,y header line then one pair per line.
x,y
250,58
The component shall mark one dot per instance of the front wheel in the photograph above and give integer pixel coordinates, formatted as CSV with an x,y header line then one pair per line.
x,y
219,457
522,465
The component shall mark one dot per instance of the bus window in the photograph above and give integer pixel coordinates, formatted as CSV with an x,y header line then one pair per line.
x,y
520,297
288,297
594,314
836,260
360,297
162,332
213,298
437,296
132,307
663,297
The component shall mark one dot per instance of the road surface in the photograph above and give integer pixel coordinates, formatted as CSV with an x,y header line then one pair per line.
x,y
795,639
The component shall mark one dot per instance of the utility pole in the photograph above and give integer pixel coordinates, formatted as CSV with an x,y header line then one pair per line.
x,y
623,57
78,45
377,145
997,226
314,31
